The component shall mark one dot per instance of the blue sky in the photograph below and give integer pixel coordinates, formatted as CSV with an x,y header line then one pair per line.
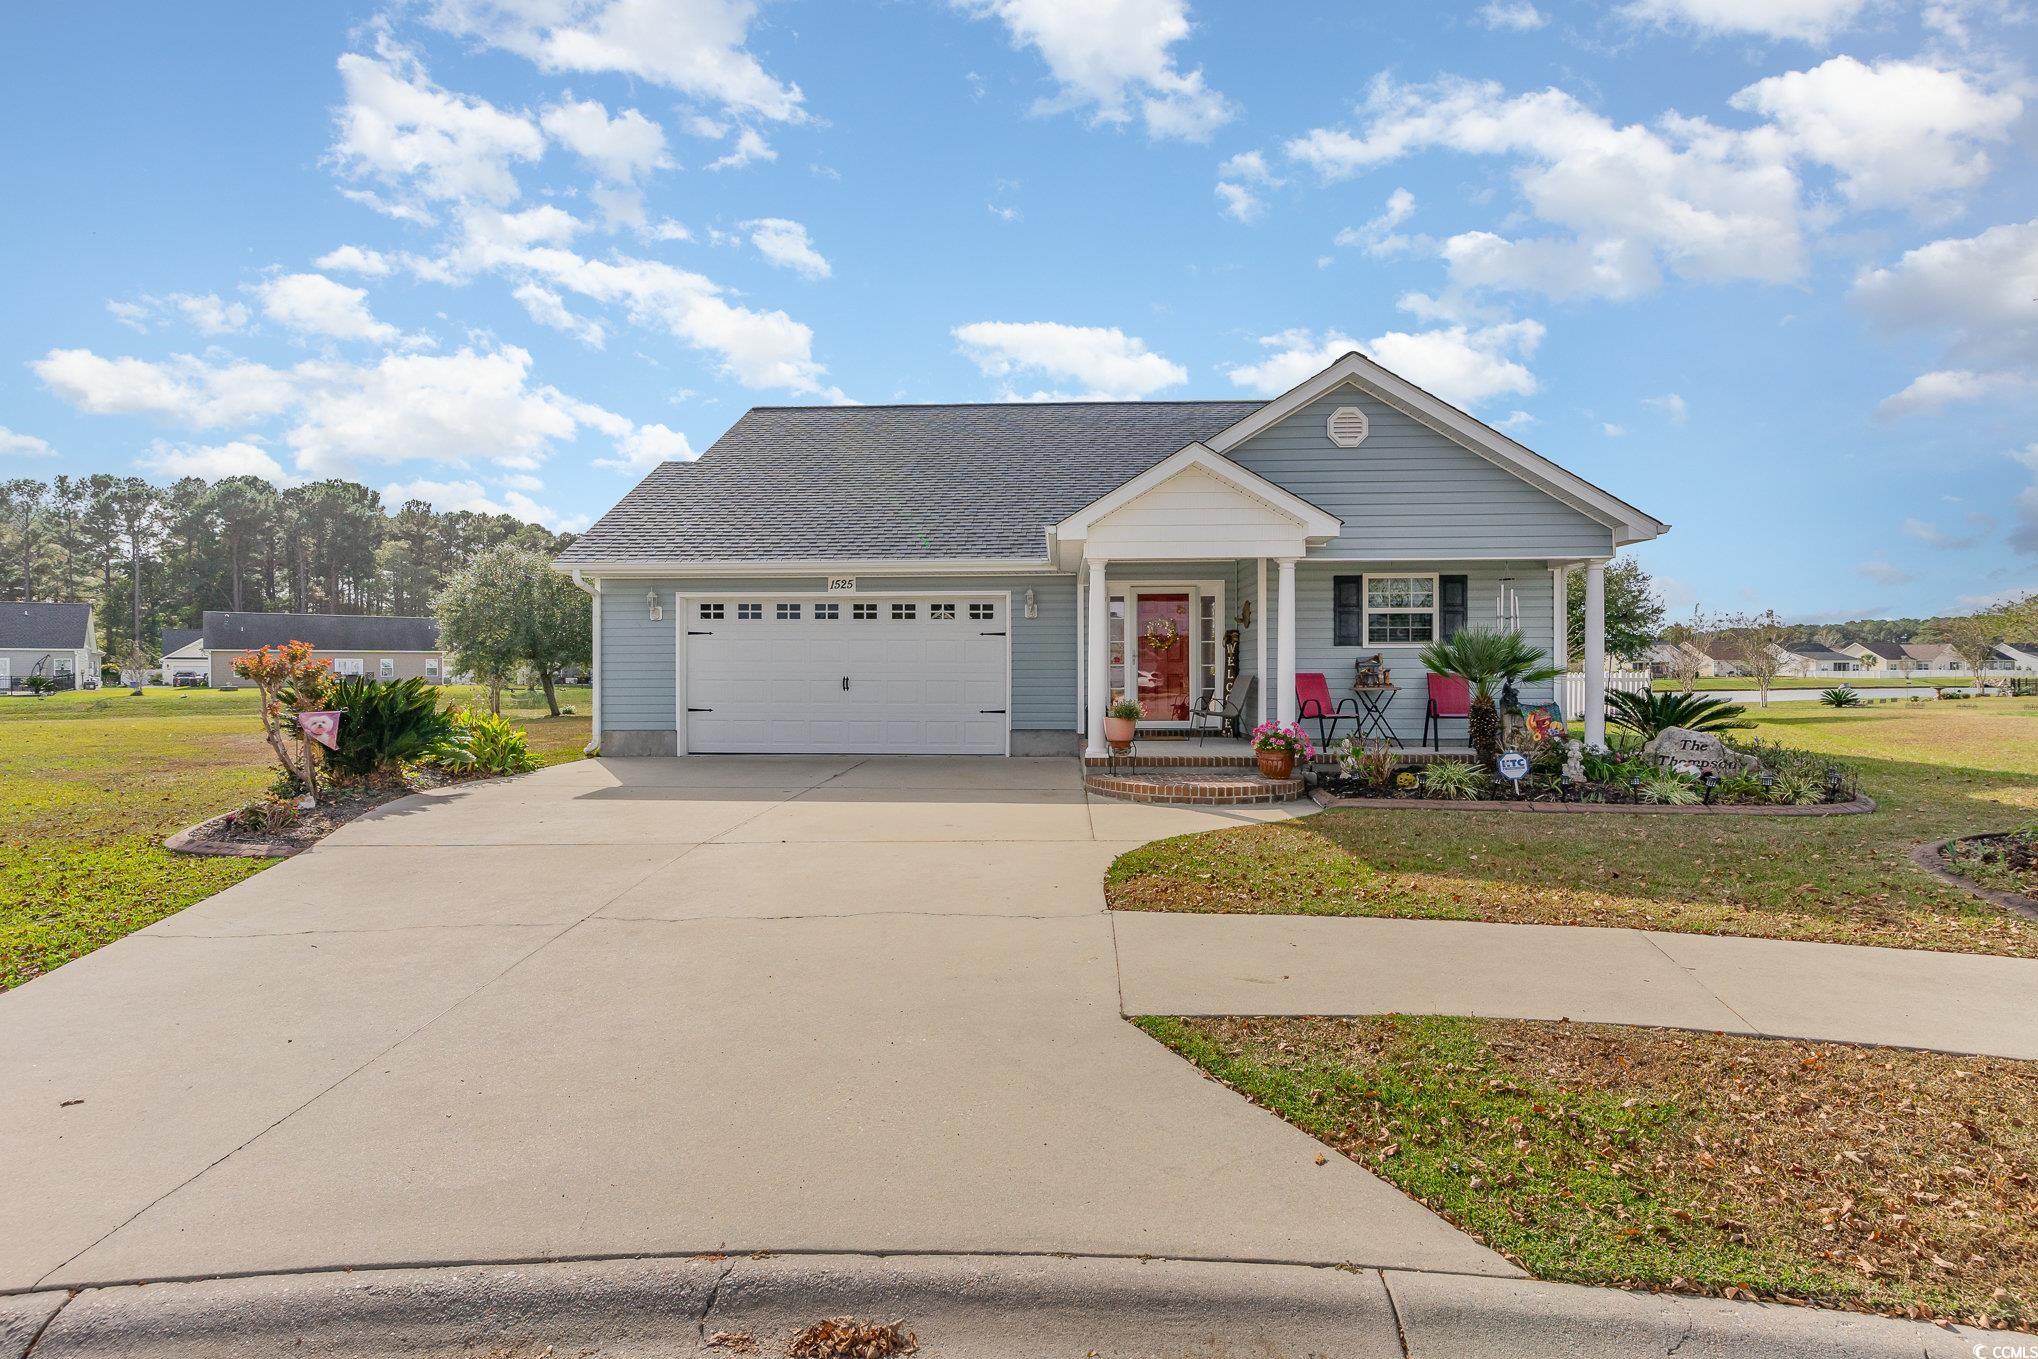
x,y
1767,268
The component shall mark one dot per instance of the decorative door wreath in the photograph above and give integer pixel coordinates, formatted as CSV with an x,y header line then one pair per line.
x,y
1161,634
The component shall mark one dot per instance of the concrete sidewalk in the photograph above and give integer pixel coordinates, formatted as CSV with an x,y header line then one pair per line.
x,y
957,1307
1345,965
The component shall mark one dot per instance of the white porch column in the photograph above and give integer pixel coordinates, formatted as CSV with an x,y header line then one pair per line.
x,y
1560,618
1284,643
1595,654
1260,638
1099,658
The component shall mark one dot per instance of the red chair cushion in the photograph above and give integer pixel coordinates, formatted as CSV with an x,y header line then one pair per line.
x,y
1312,688
1452,695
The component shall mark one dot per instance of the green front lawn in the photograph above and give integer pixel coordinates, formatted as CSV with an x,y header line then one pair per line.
x,y
91,782
1936,769
1864,1178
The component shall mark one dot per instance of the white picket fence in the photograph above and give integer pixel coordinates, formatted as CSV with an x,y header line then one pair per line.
x,y
1571,688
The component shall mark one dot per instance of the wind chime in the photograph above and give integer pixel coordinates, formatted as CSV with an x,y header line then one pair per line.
x,y
1507,606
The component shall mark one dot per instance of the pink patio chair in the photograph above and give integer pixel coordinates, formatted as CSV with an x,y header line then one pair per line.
x,y
1449,696
1312,701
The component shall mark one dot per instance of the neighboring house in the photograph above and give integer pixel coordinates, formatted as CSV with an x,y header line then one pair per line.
x,y
1935,658
356,644
2017,657
1876,657
184,658
1716,660
1808,659
52,640
984,579
1666,658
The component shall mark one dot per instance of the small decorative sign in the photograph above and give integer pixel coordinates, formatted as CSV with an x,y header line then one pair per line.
x,y
322,727
842,585
1514,766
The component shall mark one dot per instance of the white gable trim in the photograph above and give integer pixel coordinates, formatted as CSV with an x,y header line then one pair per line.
x,y
1629,524
1312,526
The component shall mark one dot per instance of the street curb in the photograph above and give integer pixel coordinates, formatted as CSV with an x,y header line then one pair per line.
x,y
192,840
1930,858
979,1306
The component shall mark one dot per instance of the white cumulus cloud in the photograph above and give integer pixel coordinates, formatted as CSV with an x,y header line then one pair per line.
x,y
697,47
621,148
1465,365
313,304
23,445
1518,15
1807,20
784,243
1980,295
212,461
1116,60
398,127
1087,362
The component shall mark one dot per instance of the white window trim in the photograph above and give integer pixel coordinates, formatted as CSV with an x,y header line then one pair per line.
x,y
360,667
1366,609
385,664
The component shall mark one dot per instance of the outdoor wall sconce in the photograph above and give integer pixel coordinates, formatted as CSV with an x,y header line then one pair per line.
x,y
1032,604
651,605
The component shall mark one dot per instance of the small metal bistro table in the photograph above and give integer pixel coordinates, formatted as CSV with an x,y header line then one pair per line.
x,y
1374,700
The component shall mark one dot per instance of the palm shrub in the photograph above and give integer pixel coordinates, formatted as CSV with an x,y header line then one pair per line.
x,y
1672,789
1840,697
1646,714
493,744
386,725
1488,660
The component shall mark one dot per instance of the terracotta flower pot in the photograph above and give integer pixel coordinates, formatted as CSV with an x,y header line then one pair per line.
x,y
1276,764
1118,732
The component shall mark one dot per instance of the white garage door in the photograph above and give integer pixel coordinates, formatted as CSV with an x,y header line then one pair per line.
x,y
892,674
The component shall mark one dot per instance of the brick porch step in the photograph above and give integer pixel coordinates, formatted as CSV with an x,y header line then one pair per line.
x,y
1206,786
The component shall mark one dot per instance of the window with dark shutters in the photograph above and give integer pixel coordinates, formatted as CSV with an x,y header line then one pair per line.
x,y
1348,624
1452,597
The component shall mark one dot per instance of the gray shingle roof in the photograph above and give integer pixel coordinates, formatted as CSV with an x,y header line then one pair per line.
x,y
176,639
227,631
28,626
1818,651
803,483
1888,651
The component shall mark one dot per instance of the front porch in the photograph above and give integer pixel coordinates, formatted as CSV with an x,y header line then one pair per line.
x,y
1206,590
1160,752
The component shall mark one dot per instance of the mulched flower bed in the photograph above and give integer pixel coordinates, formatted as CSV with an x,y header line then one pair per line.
x,y
2000,868
276,829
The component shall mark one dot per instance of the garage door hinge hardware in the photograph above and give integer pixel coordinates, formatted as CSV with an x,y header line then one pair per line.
x,y
700,710
985,711
692,633
990,634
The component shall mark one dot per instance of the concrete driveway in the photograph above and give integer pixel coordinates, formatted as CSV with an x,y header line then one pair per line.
x,y
637,1007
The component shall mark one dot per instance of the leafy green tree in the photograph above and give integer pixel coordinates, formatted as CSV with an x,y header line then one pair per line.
x,y
1634,611
508,610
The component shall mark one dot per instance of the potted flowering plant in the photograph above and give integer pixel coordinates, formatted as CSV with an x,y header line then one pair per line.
x,y
1121,721
1277,748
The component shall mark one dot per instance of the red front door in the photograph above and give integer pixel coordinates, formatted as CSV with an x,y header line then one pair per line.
x,y
1162,623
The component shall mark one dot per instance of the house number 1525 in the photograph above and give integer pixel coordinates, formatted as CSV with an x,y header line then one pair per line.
x,y
842,585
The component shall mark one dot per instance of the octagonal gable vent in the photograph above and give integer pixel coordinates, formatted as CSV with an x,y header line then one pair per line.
x,y
1348,427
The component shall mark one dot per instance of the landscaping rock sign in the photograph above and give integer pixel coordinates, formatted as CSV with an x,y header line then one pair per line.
x,y
1698,752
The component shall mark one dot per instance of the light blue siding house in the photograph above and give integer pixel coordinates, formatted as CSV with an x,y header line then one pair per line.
x,y
986,579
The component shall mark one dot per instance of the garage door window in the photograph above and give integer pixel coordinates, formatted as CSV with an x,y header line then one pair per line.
x,y
712,613
905,613
983,613
866,613
827,613
749,612
941,613
788,613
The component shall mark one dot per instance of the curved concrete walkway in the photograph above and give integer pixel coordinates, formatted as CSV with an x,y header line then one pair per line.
x,y
654,1008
